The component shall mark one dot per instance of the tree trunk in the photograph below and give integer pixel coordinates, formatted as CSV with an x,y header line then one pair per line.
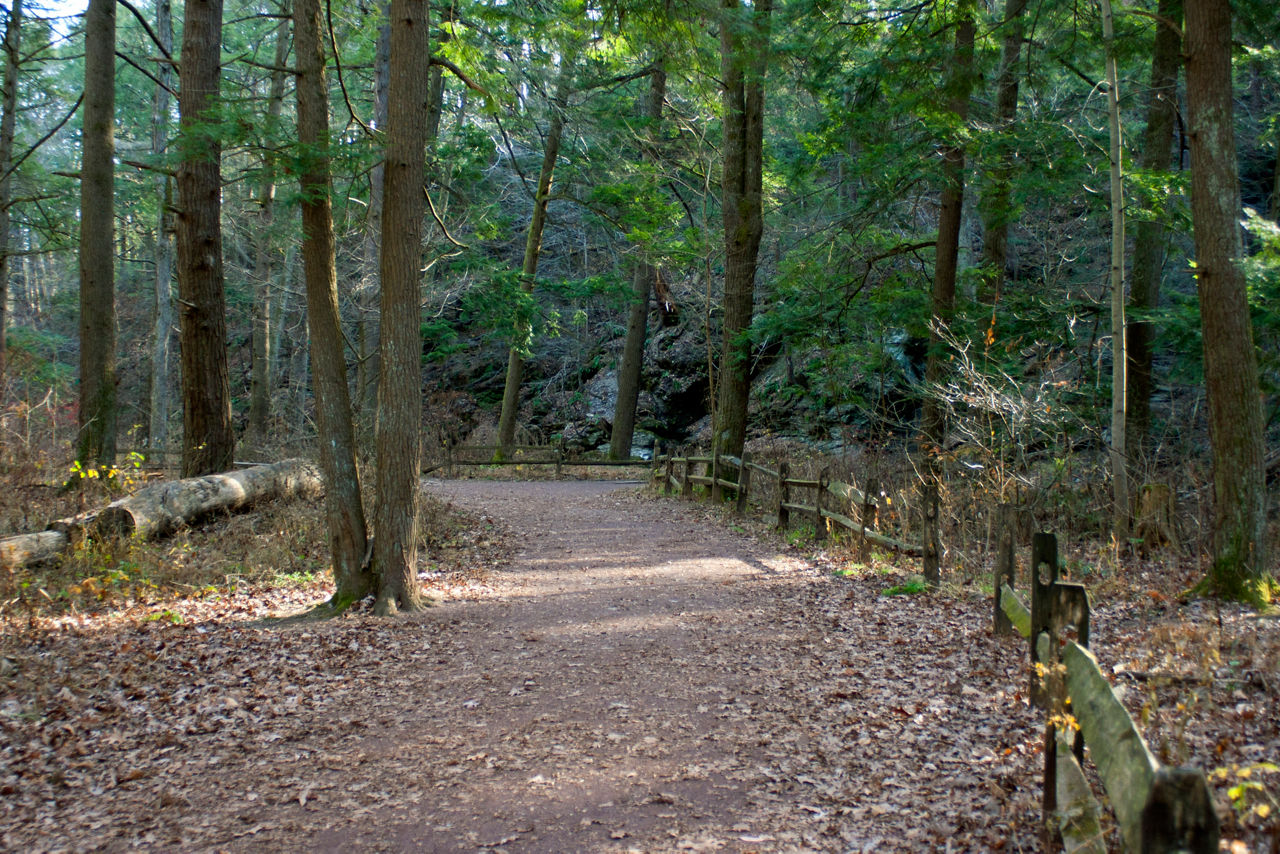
x,y
400,382
366,298
8,103
948,249
261,384
97,417
996,207
523,331
208,441
1149,234
624,416
1119,460
343,502
162,330
744,57
1240,569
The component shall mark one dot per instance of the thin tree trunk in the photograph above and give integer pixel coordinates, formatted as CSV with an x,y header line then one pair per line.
x,y
8,103
261,385
1119,462
344,506
948,247
532,248
1149,234
400,382
1240,569
744,54
996,207
97,439
366,399
162,330
624,416
208,441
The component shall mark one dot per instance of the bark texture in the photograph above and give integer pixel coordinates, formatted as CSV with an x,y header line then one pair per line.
x,y
1119,385
208,442
1240,568
624,416
8,103
344,508
744,56
162,329
1149,234
951,209
97,416
400,382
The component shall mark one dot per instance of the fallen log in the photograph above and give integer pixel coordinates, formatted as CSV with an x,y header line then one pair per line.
x,y
159,510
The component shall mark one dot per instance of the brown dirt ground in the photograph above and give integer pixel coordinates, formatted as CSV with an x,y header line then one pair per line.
x,y
640,676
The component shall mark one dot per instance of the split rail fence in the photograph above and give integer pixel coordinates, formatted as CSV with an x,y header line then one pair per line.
x,y
831,503
1158,808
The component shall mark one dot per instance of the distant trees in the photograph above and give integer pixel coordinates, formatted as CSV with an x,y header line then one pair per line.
x,y
8,106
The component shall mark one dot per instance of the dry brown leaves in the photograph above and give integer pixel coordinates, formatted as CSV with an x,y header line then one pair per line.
x,y
637,676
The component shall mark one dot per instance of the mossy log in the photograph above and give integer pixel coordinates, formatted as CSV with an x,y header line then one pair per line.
x,y
159,510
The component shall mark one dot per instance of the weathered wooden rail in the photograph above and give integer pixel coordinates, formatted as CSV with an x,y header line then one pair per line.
x,y
523,455
1158,808
833,503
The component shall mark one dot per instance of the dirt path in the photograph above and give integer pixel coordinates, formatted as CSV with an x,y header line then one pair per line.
x,y
639,678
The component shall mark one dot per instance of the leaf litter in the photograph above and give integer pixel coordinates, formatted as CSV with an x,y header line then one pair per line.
x,y
600,672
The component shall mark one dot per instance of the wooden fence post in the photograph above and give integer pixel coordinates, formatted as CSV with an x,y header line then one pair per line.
x,y
932,536
670,473
819,502
744,483
686,485
868,518
1001,625
559,459
717,494
784,494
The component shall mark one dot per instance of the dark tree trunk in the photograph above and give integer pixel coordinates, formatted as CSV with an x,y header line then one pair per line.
x,y
529,270
208,442
997,210
624,416
744,55
8,103
400,383
1240,569
344,508
162,329
948,249
97,439
1149,235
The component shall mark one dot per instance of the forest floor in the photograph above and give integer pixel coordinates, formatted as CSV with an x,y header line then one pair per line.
x,y
601,671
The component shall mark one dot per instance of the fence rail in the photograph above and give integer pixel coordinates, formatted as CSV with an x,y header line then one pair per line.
x,y
678,474
1158,808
